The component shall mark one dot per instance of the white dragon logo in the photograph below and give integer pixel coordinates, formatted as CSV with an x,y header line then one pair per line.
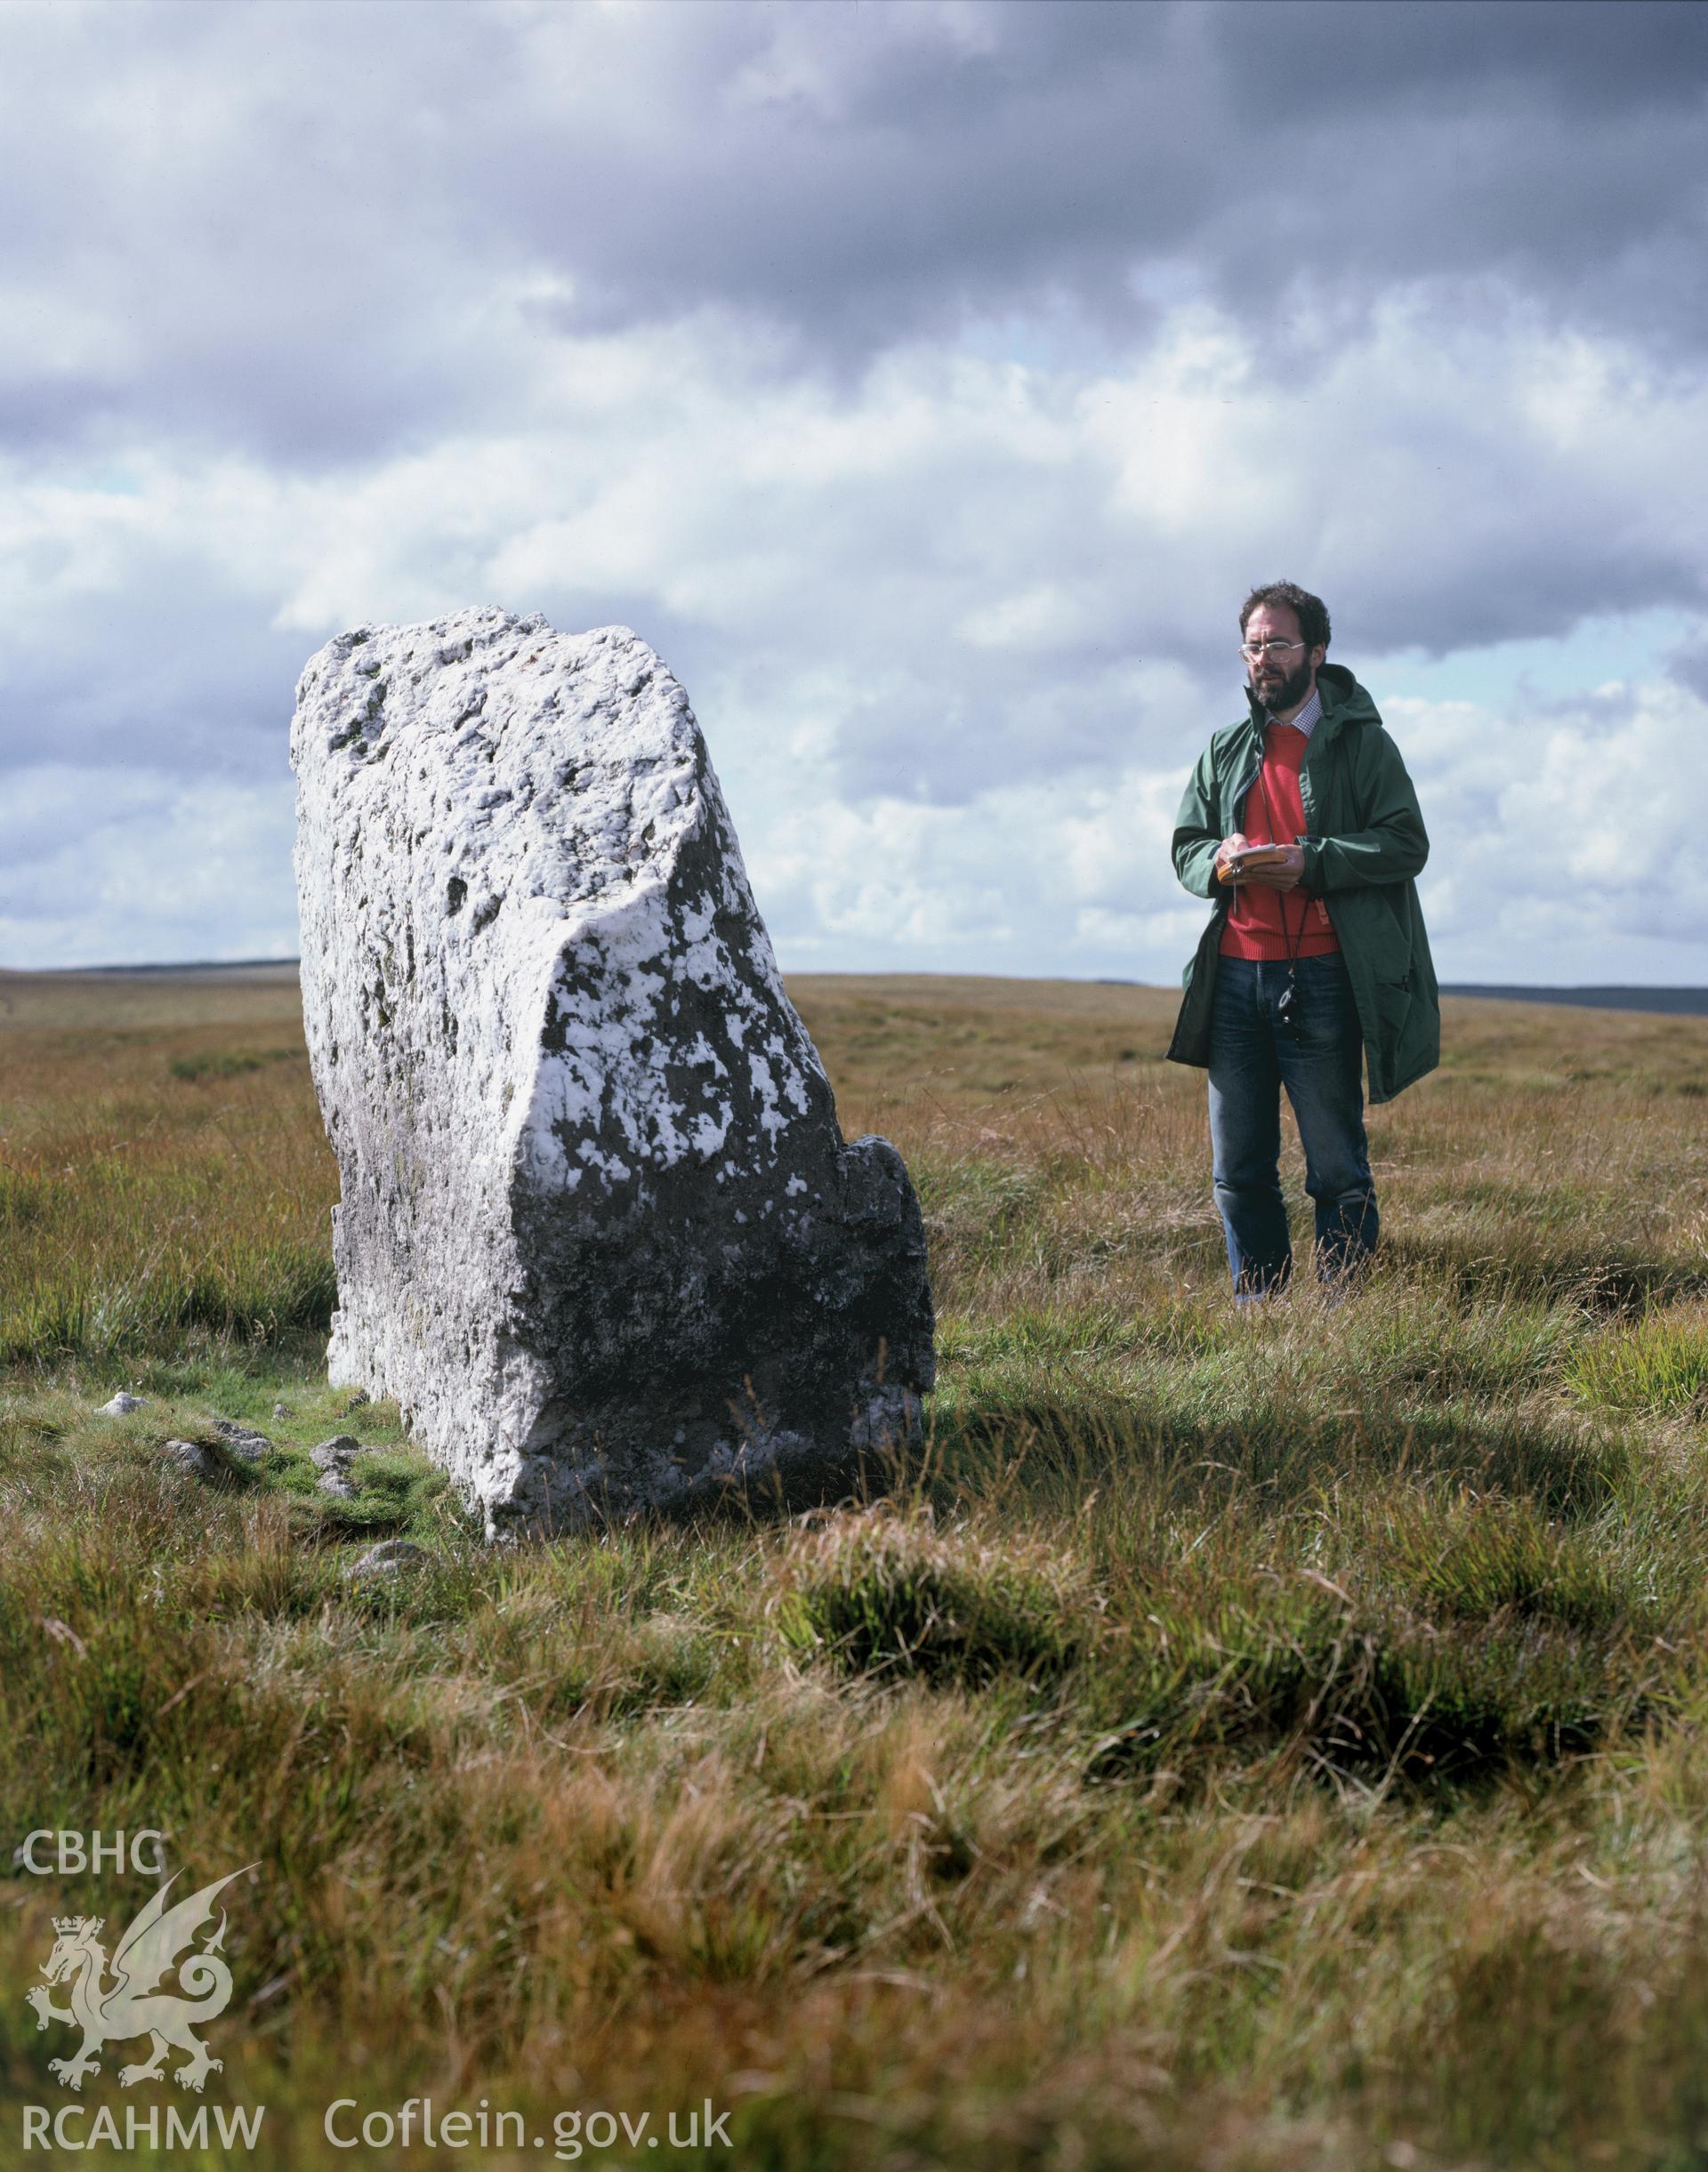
x,y
131,2006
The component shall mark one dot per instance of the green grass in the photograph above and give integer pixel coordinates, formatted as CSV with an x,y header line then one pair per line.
x,y
1247,1741
1656,1365
228,1062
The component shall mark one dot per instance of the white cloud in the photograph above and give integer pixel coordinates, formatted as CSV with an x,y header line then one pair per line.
x,y
1028,880
127,866
985,611
1565,839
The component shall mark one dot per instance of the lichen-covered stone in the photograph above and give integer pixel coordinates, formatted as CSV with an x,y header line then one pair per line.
x,y
243,1441
600,1232
391,1557
335,1453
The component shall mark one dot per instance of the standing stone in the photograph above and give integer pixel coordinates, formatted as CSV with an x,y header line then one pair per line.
x,y
599,1235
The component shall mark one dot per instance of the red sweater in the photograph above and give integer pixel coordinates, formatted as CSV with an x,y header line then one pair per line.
x,y
1262,923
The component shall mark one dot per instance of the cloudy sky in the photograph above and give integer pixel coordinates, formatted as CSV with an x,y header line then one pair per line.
x,y
926,382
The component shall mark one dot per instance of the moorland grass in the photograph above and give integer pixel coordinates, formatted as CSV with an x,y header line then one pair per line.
x,y
1238,1740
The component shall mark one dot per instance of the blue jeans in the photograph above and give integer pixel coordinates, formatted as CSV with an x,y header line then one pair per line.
x,y
1253,1053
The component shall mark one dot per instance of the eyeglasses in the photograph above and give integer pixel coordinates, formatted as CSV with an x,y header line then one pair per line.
x,y
1273,650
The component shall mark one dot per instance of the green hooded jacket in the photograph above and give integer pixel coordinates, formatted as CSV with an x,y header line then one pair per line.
x,y
1364,843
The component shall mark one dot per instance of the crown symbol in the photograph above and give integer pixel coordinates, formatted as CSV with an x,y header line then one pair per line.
x,y
64,1924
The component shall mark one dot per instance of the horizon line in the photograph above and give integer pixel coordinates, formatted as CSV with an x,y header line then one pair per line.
x,y
1106,980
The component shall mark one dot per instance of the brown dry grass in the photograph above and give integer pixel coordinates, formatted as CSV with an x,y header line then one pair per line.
x,y
1245,1743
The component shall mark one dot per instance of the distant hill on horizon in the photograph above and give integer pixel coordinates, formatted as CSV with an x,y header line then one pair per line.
x,y
1691,1003
184,965
1679,1001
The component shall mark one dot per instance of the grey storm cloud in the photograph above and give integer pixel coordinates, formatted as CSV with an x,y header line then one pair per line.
x,y
275,226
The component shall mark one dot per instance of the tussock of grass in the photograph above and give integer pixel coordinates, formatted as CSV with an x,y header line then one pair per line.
x,y
1470,1556
1351,1692
1656,1365
882,1592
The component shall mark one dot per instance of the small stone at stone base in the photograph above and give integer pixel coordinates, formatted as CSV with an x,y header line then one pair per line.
x,y
281,1410
339,1483
334,1454
386,1559
189,1456
243,1441
122,1405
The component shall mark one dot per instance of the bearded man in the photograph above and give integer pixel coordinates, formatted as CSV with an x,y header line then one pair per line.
x,y
1300,824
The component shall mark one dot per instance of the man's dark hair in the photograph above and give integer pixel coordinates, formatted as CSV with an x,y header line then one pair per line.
x,y
1311,610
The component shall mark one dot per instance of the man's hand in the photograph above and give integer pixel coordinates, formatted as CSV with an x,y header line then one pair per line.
x,y
1280,869
1280,874
1225,851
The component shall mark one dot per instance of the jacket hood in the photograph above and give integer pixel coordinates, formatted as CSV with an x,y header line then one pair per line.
x,y
1344,700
